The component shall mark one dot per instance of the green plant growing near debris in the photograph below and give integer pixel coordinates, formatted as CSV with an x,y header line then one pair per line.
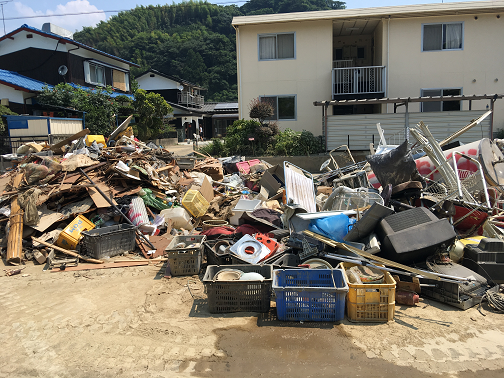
x,y
268,141
4,111
150,109
295,143
101,109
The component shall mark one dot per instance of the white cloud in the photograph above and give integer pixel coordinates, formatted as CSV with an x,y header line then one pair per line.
x,y
70,22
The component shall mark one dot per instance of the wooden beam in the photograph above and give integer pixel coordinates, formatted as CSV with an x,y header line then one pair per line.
x,y
57,147
15,237
66,251
101,266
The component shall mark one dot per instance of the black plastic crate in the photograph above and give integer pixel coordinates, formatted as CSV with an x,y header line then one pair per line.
x,y
214,256
185,261
236,296
109,241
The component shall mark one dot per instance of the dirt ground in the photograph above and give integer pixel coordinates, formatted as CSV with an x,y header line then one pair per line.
x,y
131,322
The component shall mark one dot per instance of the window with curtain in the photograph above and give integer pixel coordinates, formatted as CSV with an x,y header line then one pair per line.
x,y
284,107
445,36
276,46
94,73
438,106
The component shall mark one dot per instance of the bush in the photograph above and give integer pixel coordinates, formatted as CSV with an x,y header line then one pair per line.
x,y
296,143
267,141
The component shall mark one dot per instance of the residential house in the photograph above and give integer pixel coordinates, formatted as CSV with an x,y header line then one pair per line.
x,y
51,56
189,108
441,63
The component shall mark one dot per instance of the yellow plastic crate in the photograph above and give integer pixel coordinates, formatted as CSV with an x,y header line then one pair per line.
x,y
195,203
72,234
370,302
98,138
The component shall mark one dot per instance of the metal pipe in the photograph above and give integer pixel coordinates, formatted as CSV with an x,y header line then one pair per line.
x,y
117,209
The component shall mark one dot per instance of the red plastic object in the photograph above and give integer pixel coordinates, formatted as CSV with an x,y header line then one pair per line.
x,y
270,243
244,166
408,298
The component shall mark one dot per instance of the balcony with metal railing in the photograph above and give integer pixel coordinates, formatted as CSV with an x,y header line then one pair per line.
x,y
187,99
358,82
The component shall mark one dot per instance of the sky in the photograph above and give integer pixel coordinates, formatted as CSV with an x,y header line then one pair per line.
x,y
80,13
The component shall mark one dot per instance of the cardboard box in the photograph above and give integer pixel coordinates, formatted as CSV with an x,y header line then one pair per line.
x,y
273,179
325,190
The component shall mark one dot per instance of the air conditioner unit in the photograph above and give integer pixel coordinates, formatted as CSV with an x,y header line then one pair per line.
x,y
5,102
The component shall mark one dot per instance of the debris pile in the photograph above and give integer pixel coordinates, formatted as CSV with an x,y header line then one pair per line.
x,y
411,221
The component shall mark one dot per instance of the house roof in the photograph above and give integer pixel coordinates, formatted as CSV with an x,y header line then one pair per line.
x,y
404,11
220,107
64,40
20,82
174,78
113,94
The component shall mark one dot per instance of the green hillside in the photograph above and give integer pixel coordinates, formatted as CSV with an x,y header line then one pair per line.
x,y
192,40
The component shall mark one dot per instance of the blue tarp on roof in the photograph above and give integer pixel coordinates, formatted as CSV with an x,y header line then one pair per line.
x,y
113,94
21,81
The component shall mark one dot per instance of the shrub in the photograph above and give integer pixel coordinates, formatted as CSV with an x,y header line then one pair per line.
x,y
293,143
261,109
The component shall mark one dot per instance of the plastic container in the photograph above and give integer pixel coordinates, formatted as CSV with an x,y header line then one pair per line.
x,y
371,302
236,296
244,166
109,241
71,234
179,216
98,138
310,294
214,255
241,206
195,203
185,260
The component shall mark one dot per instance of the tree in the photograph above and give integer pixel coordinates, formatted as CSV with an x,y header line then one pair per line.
x,y
99,106
150,109
261,110
193,38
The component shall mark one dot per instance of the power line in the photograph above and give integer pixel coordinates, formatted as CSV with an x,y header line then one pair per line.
x,y
95,12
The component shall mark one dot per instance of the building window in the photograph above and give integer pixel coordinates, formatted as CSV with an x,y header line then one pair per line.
x,y
438,106
284,107
94,73
276,46
446,36
120,80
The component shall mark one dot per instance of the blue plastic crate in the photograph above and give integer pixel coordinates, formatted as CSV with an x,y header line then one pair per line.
x,y
310,294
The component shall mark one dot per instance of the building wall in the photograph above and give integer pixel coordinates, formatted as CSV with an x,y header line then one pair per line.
x,y
12,94
156,83
359,130
308,76
379,39
481,59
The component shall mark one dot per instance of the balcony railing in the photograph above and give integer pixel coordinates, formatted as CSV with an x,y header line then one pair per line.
x,y
188,99
358,80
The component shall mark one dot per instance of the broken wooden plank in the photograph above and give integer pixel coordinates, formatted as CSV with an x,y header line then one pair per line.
x,y
15,237
57,147
66,251
101,266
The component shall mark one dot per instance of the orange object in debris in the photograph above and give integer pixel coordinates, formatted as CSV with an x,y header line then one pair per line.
x,y
71,235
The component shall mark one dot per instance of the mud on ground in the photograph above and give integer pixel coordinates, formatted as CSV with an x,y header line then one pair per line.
x,y
131,322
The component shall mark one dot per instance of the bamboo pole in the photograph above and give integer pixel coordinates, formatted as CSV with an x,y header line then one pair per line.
x,y
15,237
